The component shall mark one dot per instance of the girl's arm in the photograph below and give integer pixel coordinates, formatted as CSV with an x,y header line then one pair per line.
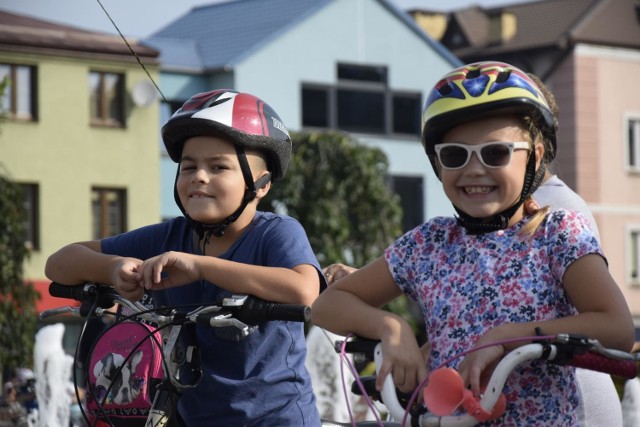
x,y
84,262
351,304
603,315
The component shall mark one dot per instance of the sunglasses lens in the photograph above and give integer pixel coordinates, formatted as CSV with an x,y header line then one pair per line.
x,y
453,157
496,155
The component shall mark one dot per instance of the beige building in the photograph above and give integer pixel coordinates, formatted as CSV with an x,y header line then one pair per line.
x,y
79,133
588,53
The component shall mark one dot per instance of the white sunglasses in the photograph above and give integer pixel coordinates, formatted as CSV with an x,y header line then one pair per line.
x,y
491,154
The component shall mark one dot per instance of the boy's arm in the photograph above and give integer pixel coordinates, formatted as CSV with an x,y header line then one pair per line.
x,y
296,285
83,262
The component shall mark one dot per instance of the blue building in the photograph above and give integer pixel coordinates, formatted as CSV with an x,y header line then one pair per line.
x,y
361,66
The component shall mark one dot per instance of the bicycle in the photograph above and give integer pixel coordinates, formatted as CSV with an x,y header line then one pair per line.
x,y
446,393
181,362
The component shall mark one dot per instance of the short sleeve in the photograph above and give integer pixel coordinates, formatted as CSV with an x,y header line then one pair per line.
x,y
569,238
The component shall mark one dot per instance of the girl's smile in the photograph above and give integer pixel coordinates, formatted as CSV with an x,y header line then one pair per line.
x,y
482,191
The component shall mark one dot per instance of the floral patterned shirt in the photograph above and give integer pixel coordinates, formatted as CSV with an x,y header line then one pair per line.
x,y
467,284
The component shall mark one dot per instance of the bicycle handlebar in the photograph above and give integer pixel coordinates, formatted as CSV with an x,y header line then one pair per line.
x,y
244,308
565,349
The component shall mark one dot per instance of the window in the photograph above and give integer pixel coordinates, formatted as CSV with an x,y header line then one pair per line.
x,y
315,107
108,207
634,256
406,113
410,190
361,111
106,99
19,97
633,144
361,102
362,73
32,219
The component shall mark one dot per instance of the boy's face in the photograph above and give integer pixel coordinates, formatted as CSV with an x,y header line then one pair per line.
x,y
476,189
210,182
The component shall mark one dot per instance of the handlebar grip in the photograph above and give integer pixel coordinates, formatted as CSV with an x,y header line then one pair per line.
x,y
625,368
359,345
255,310
75,292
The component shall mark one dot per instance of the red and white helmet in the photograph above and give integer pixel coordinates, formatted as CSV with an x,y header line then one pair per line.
x,y
242,118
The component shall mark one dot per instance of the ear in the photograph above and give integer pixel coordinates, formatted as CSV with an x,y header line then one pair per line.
x,y
261,192
137,357
538,149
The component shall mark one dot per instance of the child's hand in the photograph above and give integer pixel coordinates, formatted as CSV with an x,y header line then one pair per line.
x,y
337,271
169,270
404,360
477,366
124,278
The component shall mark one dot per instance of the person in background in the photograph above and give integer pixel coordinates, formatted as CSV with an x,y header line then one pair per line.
x,y
12,412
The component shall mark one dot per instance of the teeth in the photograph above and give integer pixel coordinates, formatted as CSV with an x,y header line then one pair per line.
x,y
476,190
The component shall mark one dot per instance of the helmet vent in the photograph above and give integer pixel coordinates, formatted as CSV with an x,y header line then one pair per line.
x,y
445,89
472,74
503,76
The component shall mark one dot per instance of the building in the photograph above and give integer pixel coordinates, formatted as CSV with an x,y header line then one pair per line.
x,y
588,53
79,133
360,66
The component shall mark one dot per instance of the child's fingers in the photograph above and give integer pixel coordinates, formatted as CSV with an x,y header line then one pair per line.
x,y
382,374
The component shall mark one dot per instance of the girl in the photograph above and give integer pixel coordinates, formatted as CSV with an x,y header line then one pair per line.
x,y
492,273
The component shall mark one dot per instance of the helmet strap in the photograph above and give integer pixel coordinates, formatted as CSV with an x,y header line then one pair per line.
x,y
206,231
500,221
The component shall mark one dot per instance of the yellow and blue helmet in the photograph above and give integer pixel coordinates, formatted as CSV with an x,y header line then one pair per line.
x,y
480,89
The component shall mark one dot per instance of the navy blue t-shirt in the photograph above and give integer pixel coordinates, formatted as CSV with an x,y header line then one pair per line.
x,y
260,380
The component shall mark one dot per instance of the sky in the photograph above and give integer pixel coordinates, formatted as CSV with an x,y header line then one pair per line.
x,y
141,18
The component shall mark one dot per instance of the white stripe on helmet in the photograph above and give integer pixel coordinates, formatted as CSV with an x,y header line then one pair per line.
x,y
221,113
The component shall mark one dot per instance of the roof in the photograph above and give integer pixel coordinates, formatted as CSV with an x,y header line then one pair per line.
x,y
220,35
546,23
19,33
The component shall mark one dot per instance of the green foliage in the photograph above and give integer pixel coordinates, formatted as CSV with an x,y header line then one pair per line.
x,y
17,299
337,189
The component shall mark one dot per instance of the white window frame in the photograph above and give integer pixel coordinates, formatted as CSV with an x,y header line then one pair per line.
x,y
632,139
633,255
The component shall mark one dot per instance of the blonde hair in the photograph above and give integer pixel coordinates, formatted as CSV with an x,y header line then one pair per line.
x,y
539,214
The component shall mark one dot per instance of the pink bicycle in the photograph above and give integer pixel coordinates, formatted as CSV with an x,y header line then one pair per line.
x,y
445,392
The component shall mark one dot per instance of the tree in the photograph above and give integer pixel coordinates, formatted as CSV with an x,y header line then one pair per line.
x,y
17,299
337,188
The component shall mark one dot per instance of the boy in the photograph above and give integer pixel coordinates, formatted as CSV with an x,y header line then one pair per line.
x,y
228,146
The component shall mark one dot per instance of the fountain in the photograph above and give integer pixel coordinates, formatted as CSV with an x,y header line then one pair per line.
x,y
631,403
54,389
323,364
